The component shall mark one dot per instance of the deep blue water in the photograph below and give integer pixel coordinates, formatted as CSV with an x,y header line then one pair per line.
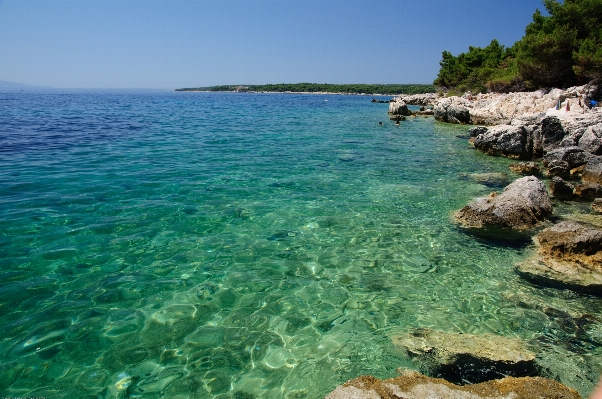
x,y
248,245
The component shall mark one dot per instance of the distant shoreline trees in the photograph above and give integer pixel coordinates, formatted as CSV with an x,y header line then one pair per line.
x,y
388,89
558,50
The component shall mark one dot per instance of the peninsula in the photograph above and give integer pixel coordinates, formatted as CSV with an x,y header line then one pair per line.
x,y
319,88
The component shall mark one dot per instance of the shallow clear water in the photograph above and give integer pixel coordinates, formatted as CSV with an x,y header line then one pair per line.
x,y
248,245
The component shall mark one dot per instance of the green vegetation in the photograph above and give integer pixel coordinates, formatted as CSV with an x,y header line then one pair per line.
x,y
561,49
389,89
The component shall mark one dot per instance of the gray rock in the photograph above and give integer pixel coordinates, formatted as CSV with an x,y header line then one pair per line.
x,y
550,134
569,256
475,131
573,156
452,110
588,191
592,173
561,189
510,141
591,141
597,205
467,357
413,385
398,107
522,205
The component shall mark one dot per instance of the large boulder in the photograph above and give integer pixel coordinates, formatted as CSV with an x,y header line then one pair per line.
x,y
591,140
398,107
522,205
412,385
467,357
547,135
573,156
569,256
452,110
510,141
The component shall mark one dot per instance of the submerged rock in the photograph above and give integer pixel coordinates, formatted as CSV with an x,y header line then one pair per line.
x,y
569,256
525,168
465,358
597,205
413,385
522,205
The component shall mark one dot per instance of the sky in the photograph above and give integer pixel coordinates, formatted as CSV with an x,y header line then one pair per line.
x,y
168,44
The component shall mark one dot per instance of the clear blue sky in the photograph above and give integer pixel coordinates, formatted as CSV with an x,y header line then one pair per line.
x,y
169,44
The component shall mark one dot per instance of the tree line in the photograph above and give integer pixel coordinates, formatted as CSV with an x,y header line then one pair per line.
x,y
388,89
561,49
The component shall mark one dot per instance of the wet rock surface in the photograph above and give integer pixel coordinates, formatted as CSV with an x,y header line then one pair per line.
x,y
525,168
467,358
412,385
560,188
569,256
597,205
522,205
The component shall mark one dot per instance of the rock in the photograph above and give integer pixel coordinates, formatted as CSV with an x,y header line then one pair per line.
x,y
561,189
573,156
398,107
588,191
452,110
487,179
591,141
597,205
425,99
592,173
475,131
549,135
510,141
525,168
559,168
462,358
413,385
522,205
569,256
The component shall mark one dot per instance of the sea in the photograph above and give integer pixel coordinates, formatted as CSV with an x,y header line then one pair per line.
x,y
247,245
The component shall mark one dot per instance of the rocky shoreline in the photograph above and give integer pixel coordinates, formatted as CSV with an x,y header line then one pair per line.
x,y
558,129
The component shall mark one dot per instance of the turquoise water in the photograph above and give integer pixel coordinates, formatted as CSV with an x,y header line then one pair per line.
x,y
197,245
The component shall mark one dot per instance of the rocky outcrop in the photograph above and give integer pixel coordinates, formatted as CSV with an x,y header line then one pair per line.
x,y
597,205
569,256
522,205
412,385
510,141
398,107
462,358
418,99
452,110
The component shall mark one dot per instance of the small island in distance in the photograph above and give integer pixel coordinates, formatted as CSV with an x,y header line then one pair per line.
x,y
387,89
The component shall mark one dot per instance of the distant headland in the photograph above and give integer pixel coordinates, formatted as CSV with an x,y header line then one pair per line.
x,y
386,89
